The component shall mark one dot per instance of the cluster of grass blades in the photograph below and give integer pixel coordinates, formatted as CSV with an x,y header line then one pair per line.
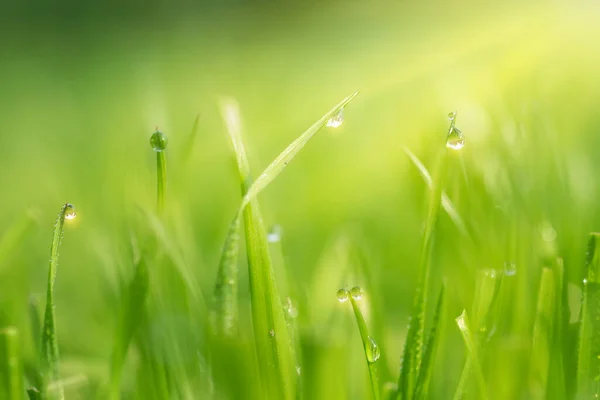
x,y
156,263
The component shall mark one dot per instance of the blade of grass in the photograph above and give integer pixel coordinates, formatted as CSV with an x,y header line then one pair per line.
x,y
189,145
462,321
413,346
589,335
50,356
34,394
371,348
542,336
159,141
429,353
557,379
11,370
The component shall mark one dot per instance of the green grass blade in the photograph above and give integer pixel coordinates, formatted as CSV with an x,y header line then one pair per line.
x,y
462,321
159,142
372,351
11,370
557,379
34,394
542,336
50,356
413,346
189,145
283,159
447,204
589,334
429,353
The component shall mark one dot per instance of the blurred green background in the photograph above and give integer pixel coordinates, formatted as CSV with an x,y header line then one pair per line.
x,y
82,87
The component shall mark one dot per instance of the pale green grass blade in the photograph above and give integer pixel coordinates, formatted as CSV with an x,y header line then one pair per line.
x,y
462,321
50,358
14,235
372,351
11,369
542,336
557,384
446,202
283,159
191,140
588,366
429,353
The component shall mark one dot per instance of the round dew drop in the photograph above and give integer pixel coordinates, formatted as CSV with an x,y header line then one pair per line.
x,y
343,295
357,292
158,141
70,211
452,115
372,350
455,139
336,119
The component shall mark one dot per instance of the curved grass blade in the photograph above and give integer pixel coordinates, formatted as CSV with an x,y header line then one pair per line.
x,y
542,336
446,202
11,378
588,384
462,321
429,353
50,356
371,348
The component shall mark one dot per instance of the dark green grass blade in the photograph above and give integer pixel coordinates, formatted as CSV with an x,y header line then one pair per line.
x,y
588,368
422,387
370,347
34,394
464,326
542,336
49,347
11,370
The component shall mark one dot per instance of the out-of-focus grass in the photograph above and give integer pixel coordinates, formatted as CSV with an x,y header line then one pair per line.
x,y
81,94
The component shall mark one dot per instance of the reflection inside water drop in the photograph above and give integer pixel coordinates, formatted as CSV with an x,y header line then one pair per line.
x,y
357,292
336,119
70,211
343,295
455,139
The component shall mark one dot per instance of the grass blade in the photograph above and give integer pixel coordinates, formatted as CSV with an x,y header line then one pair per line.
x,y
159,142
34,394
589,334
462,321
429,353
189,146
50,356
372,351
11,370
542,336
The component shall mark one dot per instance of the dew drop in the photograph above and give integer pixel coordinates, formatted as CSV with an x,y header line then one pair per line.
x,y
510,268
452,115
299,370
274,235
547,231
343,295
272,333
158,141
373,352
357,292
290,309
585,281
70,211
455,139
336,119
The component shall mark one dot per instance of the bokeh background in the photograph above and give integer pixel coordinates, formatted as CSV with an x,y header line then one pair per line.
x,y
82,87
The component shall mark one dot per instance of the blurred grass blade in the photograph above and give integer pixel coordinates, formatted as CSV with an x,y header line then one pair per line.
x,y
11,370
589,334
130,316
446,202
462,321
14,235
283,159
542,337
413,346
50,356
557,379
372,351
429,353
34,394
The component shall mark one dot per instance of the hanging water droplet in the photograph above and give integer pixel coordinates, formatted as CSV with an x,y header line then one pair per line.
x,y
357,292
336,119
372,350
70,211
158,141
455,139
510,268
343,295
452,115
274,235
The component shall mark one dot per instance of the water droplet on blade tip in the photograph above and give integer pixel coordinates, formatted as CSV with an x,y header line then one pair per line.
x,y
158,141
357,292
455,139
343,295
336,119
70,211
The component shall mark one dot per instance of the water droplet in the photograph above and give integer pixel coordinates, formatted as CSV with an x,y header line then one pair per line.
x,y
70,211
336,119
274,236
373,352
357,292
547,231
290,309
455,139
298,370
158,141
510,268
231,281
490,272
585,281
452,115
272,333
343,295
